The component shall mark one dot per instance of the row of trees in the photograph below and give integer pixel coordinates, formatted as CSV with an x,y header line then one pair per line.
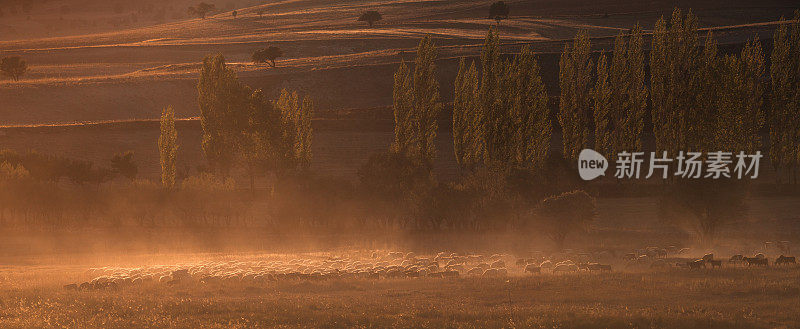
x,y
242,127
699,101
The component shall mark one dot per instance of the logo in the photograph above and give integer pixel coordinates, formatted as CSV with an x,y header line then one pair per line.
x,y
591,164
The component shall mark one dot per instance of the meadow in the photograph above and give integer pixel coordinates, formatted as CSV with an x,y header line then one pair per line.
x,y
731,297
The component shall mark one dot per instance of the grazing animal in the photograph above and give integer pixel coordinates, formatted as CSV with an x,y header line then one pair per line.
x,y
499,264
533,268
708,257
565,268
696,264
756,261
785,260
715,263
598,267
735,259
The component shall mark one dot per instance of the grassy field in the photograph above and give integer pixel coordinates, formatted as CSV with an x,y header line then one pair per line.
x,y
31,296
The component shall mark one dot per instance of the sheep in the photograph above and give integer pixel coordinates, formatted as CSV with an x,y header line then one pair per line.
x,y
696,264
756,261
494,272
659,263
565,268
532,268
546,264
785,260
475,271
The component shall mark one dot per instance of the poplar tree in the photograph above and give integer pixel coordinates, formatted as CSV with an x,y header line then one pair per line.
x,y
467,118
417,104
532,128
574,113
402,103
224,103
785,99
674,63
427,102
607,105
168,147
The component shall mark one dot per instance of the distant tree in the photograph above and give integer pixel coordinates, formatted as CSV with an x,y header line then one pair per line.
x,y
13,67
498,11
168,148
574,111
370,17
201,10
123,164
567,213
267,55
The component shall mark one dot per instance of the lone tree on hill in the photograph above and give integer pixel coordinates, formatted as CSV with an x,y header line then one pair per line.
x,y
498,11
201,10
267,55
370,17
13,67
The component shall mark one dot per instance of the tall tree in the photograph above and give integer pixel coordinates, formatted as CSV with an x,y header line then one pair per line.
x,y
416,105
785,99
606,104
224,103
674,63
531,127
574,113
467,118
168,147
402,104
427,101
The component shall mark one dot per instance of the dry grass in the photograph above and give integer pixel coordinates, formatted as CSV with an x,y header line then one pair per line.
x,y
728,298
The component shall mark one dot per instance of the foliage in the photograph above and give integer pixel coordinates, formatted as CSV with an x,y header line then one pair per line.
x,y
13,67
267,55
123,164
566,213
784,100
224,104
168,148
574,111
370,16
417,104
498,11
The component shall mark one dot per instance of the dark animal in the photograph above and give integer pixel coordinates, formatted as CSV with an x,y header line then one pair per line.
x,y
715,263
696,264
756,261
785,260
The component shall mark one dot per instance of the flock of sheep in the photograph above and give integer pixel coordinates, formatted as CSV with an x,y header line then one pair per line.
x,y
393,264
